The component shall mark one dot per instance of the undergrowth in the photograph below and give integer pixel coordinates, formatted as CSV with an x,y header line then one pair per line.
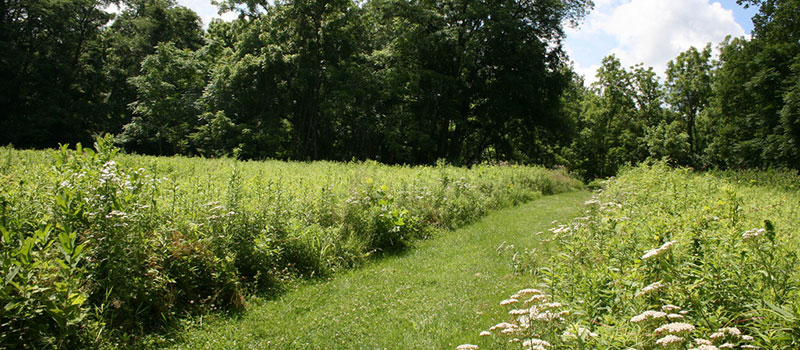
x,y
100,248
666,259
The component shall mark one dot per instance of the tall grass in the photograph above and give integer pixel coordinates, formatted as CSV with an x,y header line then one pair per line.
x,y
670,259
97,245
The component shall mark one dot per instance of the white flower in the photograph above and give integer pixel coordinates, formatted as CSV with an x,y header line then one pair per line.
x,y
509,302
727,346
518,312
754,233
669,339
670,307
485,333
701,341
467,347
528,291
658,251
747,338
536,298
535,342
731,330
649,314
502,325
675,327
705,347
649,288
675,316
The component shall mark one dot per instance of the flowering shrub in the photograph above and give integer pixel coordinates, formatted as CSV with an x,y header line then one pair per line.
x,y
721,246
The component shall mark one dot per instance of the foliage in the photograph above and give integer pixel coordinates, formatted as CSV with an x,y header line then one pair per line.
x,y
721,248
99,246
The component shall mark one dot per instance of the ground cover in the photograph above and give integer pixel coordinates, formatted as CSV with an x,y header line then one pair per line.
x,y
431,297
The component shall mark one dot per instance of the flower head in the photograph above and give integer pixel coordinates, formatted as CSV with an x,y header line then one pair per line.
x,y
669,339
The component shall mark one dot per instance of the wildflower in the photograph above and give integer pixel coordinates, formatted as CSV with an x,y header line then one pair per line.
x,y
503,325
701,341
536,298
485,334
748,347
727,346
658,251
731,331
509,331
528,291
705,347
717,335
467,347
670,307
649,288
591,202
648,314
552,305
509,301
675,317
669,339
675,327
515,340
534,342
518,312
747,338
754,233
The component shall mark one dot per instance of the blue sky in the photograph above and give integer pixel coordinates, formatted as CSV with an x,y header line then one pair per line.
x,y
652,32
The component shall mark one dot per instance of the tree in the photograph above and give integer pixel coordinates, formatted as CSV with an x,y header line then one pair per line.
x,y
165,111
50,59
136,32
689,79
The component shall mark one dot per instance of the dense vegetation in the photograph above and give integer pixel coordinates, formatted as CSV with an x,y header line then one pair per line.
x,y
667,259
98,245
398,81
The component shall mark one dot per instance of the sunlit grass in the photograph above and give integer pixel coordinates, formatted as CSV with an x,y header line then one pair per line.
x,y
432,297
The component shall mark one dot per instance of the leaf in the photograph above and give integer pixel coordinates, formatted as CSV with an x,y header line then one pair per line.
x,y
11,274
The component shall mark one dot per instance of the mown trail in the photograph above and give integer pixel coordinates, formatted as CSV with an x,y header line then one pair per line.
x,y
438,295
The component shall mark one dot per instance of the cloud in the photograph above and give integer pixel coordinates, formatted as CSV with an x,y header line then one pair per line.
x,y
652,32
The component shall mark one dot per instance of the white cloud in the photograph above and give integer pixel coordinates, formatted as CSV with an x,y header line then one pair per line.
x,y
206,10
654,32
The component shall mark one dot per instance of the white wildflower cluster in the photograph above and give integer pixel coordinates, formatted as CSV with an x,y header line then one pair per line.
x,y
560,229
672,333
652,253
675,328
592,202
467,347
669,340
648,315
753,234
536,309
724,338
650,288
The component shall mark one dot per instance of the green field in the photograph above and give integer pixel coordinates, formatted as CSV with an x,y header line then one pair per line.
x,y
101,247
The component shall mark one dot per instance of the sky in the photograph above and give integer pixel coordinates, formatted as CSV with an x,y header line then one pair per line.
x,y
652,32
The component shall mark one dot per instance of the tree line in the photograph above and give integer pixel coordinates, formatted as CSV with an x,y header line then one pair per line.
x,y
398,81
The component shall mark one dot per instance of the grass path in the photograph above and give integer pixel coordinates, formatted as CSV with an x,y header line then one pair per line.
x,y
437,295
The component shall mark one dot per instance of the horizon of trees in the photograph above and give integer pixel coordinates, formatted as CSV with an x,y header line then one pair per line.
x,y
397,81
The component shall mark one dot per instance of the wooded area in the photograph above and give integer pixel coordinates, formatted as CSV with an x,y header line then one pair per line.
x,y
398,81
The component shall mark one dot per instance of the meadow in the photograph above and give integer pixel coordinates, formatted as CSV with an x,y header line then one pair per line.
x,y
663,259
100,247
